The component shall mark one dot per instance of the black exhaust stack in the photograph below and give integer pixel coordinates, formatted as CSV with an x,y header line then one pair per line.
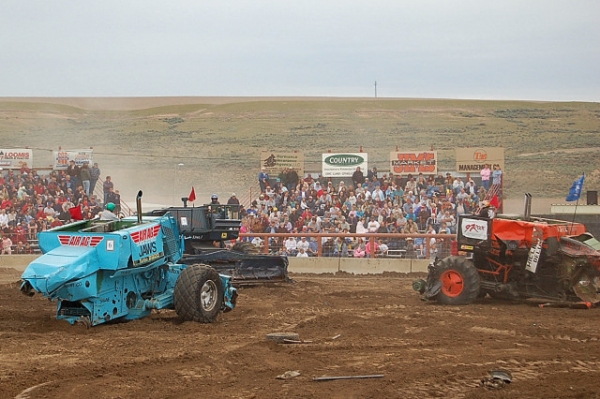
x,y
138,203
527,207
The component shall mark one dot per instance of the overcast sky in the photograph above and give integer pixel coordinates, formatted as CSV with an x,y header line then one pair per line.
x,y
505,49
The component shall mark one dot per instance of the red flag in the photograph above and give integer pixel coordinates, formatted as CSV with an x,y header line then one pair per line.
x,y
76,213
192,196
494,202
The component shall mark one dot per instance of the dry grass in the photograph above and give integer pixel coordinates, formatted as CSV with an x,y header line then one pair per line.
x,y
141,140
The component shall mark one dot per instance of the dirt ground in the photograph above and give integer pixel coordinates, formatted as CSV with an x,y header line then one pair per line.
x,y
351,326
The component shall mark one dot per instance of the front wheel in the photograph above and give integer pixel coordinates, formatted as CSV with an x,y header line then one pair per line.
x,y
198,294
459,281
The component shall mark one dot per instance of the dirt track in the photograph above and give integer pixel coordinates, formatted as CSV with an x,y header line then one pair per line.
x,y
422,349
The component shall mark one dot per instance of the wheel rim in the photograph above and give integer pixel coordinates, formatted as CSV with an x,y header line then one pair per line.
x,y
586,287
208,295
453,283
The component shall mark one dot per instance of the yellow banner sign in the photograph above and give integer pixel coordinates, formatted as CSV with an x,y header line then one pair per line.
x,y
274,162
474,159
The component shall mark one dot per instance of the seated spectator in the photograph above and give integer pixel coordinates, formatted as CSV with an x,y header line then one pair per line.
x,y
327,246
340,247
20,248
373,226
3,218
360,249
371,250
290,246
383,248
302,253
258,243
304,245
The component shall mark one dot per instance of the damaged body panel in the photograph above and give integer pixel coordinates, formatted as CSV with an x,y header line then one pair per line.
x,y
517,258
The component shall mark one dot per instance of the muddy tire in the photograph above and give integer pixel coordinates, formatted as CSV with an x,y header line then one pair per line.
x,y
460,281
198,294
245,247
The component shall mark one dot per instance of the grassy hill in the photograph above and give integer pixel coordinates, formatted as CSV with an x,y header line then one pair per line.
x,y
140,141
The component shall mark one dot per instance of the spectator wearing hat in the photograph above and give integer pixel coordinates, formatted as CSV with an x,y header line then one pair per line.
x,y
55,222
423,216
411,185
233,200
372,174
108,213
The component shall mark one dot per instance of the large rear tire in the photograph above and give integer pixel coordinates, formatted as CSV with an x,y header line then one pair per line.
x,y
459,281
198,294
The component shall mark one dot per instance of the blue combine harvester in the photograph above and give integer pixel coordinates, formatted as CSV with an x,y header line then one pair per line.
x,y
100,271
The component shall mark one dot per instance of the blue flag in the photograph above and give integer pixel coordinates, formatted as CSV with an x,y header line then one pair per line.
x,y
575,191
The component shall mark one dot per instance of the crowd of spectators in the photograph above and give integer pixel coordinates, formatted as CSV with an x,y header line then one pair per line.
x,y
366,203
34,201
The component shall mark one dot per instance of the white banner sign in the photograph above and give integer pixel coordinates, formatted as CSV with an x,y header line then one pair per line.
x,y
62,158
15,158
474,228
343,165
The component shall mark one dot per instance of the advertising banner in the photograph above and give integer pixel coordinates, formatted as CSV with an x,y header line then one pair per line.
x,y
274,162
474,159
15,158
474,228
61,158
343,165
413,162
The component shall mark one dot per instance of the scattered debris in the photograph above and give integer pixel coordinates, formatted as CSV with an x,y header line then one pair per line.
x,y
291,341
497,379
26,392
348,377
288,374
283,336
336,337
570,305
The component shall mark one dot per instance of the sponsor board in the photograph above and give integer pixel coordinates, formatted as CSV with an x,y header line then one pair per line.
x,y
474,159
148,247
413,162
533,258
474,228
343,164
80,241
61,158
15,158
275,161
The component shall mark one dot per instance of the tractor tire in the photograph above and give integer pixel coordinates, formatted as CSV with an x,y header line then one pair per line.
x,y
198,294
245,247
460,281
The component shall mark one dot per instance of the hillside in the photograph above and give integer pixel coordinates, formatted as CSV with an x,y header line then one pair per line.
x,y
141,141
